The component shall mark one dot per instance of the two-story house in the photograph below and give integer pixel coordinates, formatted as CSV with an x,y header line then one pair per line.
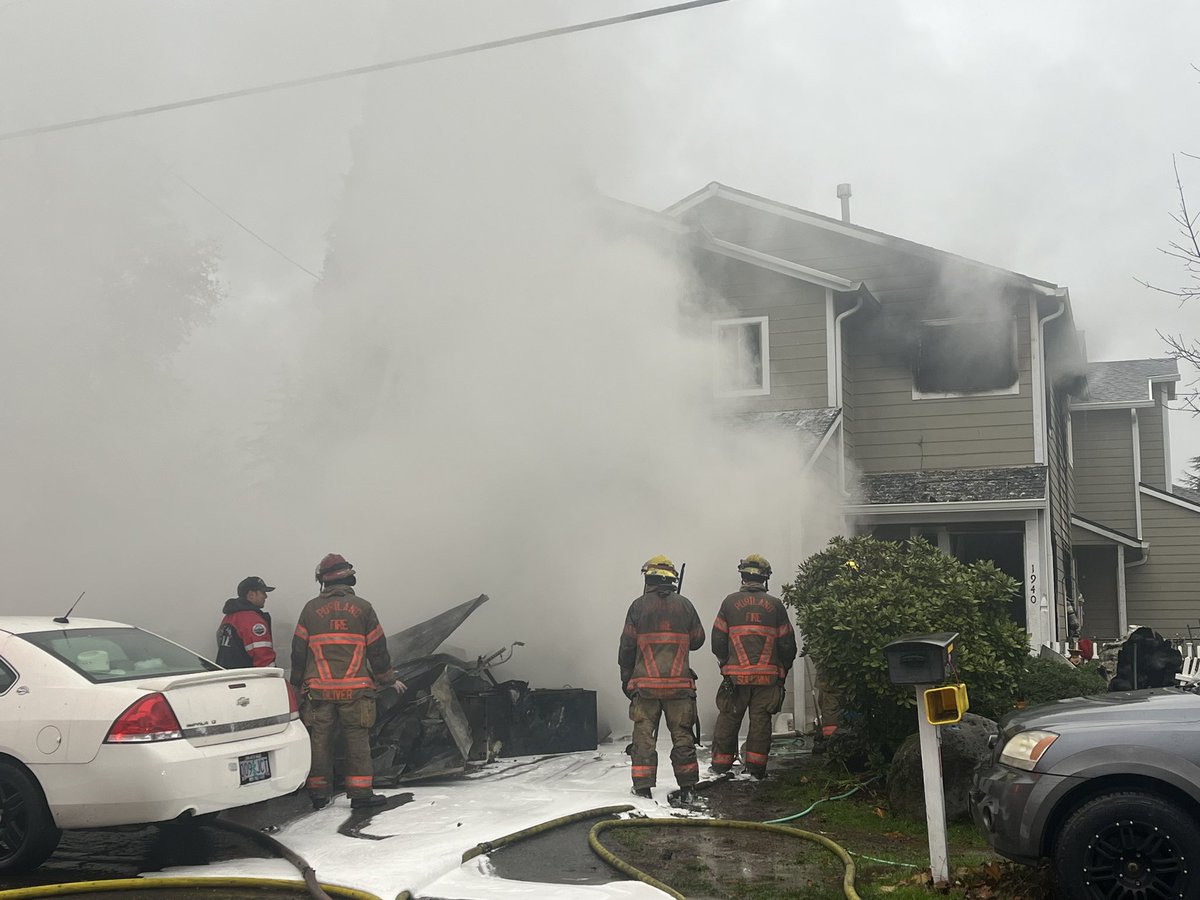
x,y
937,389
1136,535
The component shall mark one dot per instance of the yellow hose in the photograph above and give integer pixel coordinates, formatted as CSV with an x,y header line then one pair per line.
x,y
621,866
489,846
116,885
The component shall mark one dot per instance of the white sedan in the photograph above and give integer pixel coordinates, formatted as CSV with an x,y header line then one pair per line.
x,y
104,724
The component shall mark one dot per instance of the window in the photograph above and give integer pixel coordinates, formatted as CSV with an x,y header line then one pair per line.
x,y
743,366
7,677
961,356
118,654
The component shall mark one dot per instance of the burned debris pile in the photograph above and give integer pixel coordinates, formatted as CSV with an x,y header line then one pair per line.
x,y
455,712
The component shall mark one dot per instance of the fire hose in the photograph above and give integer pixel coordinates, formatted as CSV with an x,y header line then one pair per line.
x,y
315,889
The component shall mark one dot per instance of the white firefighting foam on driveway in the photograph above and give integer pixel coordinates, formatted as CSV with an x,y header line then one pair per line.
x,y
443,820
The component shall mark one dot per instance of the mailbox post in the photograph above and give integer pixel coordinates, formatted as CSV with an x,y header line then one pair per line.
x,y
925,661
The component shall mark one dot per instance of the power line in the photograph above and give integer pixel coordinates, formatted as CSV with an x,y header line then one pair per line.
x,y
361,70
258,237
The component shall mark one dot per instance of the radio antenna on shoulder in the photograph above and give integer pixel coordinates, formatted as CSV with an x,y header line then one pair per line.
x,y
66,619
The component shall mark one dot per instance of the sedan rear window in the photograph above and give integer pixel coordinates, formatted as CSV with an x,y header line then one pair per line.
x,y
118,654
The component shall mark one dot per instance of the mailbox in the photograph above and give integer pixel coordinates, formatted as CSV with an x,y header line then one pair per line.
x,y
922,658
946,705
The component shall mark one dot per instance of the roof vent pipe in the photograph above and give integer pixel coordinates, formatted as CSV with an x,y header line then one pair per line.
x,y
843,191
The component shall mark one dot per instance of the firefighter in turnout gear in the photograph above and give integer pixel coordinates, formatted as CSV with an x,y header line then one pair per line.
x,y
756,646
339,657
661,628
244,635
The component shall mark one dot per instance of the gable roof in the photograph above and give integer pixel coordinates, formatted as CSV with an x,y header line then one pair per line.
x,y
1127,381
717,191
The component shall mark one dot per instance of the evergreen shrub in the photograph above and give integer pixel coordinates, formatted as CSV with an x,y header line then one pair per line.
x,y
860,593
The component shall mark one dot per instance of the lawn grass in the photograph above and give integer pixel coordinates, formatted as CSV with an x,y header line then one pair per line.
x,y
891,854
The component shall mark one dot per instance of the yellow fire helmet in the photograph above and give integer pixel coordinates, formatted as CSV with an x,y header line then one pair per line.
x,y
660,566
755,565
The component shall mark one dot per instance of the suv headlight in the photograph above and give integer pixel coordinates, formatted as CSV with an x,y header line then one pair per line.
x,y
1025,749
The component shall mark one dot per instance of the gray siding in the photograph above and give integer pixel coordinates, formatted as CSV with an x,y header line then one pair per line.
x,y
895,433
1104,490
795,312
1163,592
1150,435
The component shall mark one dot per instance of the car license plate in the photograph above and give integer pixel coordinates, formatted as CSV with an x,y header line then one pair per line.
x,y
254,767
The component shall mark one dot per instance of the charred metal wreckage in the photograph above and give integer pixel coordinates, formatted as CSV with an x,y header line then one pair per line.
x,y
455,713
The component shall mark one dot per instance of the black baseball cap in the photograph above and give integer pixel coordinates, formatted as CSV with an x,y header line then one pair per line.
x,y
253,583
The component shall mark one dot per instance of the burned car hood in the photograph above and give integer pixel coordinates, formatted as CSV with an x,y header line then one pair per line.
x,y
1136,709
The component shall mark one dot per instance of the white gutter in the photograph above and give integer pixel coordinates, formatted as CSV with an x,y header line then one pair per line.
x,y
895,509
1122,603
837,352
1137,473
776,264
1113,404
1039,377
837,345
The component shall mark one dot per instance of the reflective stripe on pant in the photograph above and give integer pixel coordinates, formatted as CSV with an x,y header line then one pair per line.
x,y
681,717
763,700
355,719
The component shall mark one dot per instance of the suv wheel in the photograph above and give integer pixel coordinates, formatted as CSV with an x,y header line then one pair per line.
x,y
28,834
1128,846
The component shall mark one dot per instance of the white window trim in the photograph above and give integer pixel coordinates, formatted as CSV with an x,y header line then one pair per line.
x,y
1013,390
764,334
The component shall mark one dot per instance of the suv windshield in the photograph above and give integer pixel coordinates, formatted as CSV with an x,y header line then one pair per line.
x,y
118,654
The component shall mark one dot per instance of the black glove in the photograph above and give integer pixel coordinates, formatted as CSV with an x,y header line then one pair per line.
x,y
727,685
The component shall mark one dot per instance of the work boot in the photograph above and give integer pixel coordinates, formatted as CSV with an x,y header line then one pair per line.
x,y
643,792
319,802
367,801
758,774
684,796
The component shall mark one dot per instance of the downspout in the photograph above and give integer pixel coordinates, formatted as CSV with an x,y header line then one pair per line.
x,y
837,395
1048,607
1137,472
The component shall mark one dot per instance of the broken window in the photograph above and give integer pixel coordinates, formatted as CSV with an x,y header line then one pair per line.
x,y
743,360
966,357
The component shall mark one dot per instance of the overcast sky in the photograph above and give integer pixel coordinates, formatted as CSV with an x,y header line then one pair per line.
x,y
1034,136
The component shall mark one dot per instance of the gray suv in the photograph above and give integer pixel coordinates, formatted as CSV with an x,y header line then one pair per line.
x,y
1107,787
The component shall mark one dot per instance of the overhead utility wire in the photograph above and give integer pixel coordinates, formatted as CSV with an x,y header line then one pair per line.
x,y
361,70
258,237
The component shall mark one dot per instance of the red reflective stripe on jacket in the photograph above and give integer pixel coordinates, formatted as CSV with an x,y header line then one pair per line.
x,y
647,644
661,684
720,624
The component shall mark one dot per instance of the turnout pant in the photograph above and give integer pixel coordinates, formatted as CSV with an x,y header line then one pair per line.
x,y
355,718
681,717
763,701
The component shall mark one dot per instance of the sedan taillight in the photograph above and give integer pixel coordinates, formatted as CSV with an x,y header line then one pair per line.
x,y
293,701
148,719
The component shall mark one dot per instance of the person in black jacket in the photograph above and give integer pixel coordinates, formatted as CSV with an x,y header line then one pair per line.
x,y
244,637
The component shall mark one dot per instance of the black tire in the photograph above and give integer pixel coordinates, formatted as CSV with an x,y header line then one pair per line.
x,y
28,834
1128,846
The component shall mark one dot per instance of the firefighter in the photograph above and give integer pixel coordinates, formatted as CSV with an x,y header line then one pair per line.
x,y
755,646
661,628
339,657
244,636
